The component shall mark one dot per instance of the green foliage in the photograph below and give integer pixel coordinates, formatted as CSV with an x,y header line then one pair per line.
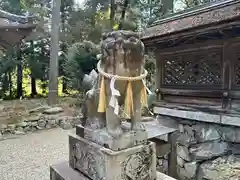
x,y
81,59
80,35
36,56
151,68
13,6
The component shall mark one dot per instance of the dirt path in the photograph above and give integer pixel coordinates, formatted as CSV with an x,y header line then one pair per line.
x,y
29,157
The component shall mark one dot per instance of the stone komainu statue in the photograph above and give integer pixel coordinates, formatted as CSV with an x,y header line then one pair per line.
x,y
120,83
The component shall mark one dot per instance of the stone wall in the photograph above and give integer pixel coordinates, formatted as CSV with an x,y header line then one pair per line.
x,y
49,118
205,150
162,164
162,153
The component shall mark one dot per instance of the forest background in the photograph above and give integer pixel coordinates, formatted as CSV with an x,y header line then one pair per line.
x,y
24,69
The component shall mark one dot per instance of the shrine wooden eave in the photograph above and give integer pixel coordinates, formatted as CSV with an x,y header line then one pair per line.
x,y
14,28
206,19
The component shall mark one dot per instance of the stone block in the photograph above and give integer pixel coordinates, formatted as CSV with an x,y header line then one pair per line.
x,y
22,124
11,126
185,139
100,136
231,120
162,166
182,174
33,118
235,149
187,136
63,171
167,121
53,110
39,109
182,152
98,163
231,134
206,132
3,127
222,168
42,123
181,128
191,169
19,133
165,166
65,125
208,150
130,138
187,114
156,130
180,161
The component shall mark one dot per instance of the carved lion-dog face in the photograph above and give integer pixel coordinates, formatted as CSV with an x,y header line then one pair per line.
x,y
122,53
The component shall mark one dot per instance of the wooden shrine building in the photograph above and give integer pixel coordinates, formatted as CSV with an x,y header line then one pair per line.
x,y
14,28
198,87
198,58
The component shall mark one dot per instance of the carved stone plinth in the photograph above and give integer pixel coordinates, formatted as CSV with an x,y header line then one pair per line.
x,y
128,139
100,163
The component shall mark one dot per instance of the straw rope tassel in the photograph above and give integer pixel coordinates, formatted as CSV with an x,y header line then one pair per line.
x,y
128,104
144,101
102,97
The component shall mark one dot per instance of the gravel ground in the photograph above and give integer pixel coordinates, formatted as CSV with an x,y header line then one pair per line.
x,y
29,157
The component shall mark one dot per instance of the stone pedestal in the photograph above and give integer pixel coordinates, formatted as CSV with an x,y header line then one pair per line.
x,y
94,155
128,139
98,162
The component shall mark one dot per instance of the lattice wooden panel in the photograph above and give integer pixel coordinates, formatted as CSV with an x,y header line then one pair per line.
x,y
194,68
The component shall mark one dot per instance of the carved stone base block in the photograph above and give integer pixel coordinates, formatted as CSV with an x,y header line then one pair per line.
x,y
100,136
100,163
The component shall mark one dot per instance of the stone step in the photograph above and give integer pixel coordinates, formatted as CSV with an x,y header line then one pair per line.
x,y
63,171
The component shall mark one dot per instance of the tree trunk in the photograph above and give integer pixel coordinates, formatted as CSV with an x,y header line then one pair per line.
x,y
19,73
63,48
126,2
64,85
94,9
44,87
5,83
112,14
33,80
33,86
10,83
53,72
